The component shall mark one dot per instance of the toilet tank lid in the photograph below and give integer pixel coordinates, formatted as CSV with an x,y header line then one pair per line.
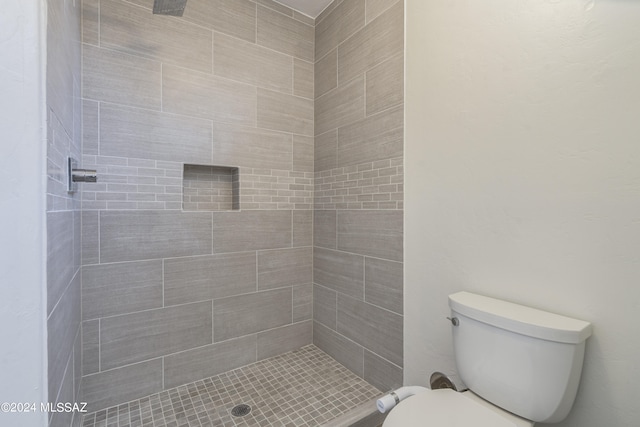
x,y
520,319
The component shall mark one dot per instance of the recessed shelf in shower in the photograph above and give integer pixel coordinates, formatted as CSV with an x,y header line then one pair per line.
x,y
210,188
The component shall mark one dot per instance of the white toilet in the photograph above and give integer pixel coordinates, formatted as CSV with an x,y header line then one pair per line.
x,y
521,366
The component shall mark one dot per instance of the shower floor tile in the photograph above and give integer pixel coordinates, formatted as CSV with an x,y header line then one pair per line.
x,y
305,387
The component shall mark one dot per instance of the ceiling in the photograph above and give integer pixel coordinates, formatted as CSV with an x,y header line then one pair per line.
x,y
310,8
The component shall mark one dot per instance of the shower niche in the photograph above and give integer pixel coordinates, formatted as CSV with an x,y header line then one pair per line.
x,y
210,188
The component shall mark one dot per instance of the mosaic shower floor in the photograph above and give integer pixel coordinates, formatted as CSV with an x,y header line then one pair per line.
x,y
305,387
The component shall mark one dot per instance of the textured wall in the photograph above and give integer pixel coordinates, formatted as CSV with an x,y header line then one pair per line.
x,y
64,138
170,296
523,176
358,225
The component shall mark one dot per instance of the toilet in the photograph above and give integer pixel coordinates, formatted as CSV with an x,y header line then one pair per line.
x,y
521,366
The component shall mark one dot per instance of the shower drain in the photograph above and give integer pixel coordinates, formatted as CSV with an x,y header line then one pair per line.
x,y
240,410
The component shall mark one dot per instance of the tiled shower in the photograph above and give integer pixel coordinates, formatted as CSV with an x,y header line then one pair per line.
x,y
249,194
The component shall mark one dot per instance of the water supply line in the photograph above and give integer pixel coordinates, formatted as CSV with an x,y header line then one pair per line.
x,y
387,402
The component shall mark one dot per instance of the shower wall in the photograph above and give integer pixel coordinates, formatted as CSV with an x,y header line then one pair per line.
x,y
63,209
171,295
358,225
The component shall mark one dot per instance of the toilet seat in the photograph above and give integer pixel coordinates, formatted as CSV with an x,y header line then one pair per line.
x,y
448,408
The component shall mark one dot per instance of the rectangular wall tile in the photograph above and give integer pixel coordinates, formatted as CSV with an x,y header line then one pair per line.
x,y
286,113
325,229
374,233
326,75
90,346
376,329
302,302
208,277
340,106
64,394
286,338
112,76
116,386
385,85
342,22
326,151
62,326
378,41
376,7
132,132
303,78
259,148
60,255
203,362
285,34
90,127
284,267
138,235
377,137
112,289
325,306
345,351
303,153
247,314
245,230
196,94
139,336
343,272
302,228
236,18
91,21
383,284
249,63
132,29
380,372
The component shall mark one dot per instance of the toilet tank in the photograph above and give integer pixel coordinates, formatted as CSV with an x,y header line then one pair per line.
x,y
524,360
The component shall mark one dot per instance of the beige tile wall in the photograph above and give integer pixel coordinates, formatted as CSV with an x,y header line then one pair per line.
x,y
358,192
172,295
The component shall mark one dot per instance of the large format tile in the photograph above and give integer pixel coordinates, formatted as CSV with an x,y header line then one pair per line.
x,y
302,302
90,127
90,346
140,336
117,77
247,314
192,93
376,137
302,228
376,329
376,7
60,255
203,362
326,76
62,326
251,230
325,306
133,132
345,351
285,34
380,372
303,78
249,63
260,148
284,267
208,277
340,106
303,147
378,41
383,283
137,235
342,22
286,113
111,289
326,151
134,30
324,229
343,272
286,338
385,85
236,18
373,233
106,389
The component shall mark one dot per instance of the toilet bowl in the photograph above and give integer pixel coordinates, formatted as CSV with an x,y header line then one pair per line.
x,y
449,408
520,365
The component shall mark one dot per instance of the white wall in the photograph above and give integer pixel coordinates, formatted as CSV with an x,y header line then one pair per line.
x,y
22,196
523,178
